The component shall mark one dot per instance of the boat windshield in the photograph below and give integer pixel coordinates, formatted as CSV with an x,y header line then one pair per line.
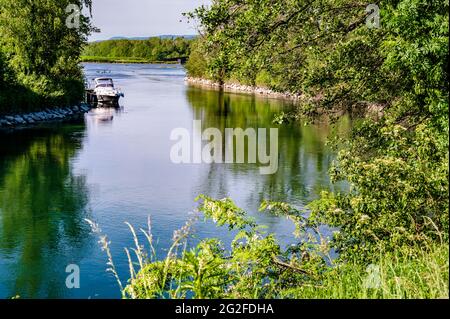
x,y
104,83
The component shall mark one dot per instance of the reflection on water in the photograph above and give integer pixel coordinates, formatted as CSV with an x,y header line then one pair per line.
x,y
304,157
41,210
104,114
116,168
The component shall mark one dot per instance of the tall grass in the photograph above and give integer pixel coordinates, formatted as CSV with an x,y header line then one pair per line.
x,y
409,272
144,259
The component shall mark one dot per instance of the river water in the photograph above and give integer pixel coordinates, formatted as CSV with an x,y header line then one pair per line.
x,y
115,167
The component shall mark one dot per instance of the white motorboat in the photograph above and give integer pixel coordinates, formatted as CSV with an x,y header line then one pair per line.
x,y
106,92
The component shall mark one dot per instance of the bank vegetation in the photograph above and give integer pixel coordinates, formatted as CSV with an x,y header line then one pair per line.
x,y
390,237
39,55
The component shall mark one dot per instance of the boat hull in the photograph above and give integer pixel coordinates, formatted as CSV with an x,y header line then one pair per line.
x,y
108,99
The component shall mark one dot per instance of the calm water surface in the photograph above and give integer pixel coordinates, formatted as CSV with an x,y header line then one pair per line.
x,y
115,167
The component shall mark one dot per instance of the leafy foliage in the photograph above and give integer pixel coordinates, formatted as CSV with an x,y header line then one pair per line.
x,y
324,48
253,268
40,54
399,192
396,165
256,266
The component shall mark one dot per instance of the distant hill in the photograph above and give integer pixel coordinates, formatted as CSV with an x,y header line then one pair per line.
x,y
126,38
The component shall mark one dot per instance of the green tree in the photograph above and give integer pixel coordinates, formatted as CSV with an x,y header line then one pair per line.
x,y
43,51
397,165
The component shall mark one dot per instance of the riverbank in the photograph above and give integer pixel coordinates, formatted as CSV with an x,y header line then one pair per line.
x,y
364,108
237,87
100,59
47,115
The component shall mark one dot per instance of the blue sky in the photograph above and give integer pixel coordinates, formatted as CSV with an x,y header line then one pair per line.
x,y
132,18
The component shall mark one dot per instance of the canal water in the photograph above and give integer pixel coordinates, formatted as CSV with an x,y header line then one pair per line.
x,y
115,167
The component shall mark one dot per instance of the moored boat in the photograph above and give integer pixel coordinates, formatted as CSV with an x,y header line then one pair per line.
x,y
105,91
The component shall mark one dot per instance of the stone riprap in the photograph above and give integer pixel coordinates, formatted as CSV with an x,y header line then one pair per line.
x,y
236,87
43,116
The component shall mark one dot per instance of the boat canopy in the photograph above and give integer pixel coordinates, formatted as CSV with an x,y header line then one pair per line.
x,y
103,82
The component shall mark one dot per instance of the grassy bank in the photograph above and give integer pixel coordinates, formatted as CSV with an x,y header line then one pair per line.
x,y
404,274
256,266
103,59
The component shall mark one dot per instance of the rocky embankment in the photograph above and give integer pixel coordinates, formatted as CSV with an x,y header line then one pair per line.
x,y
236,87
44,116
365,108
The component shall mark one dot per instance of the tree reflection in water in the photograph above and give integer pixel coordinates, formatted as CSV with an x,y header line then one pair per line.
x,y
42,210
304,158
